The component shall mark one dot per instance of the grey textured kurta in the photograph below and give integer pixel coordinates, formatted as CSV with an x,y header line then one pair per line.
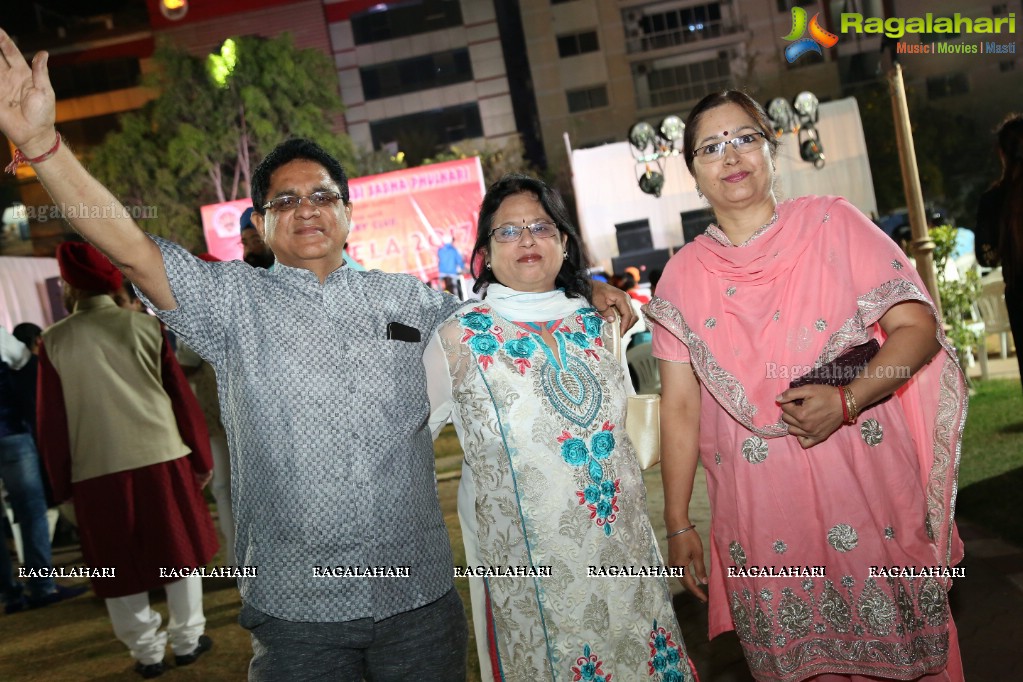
x,y
331,460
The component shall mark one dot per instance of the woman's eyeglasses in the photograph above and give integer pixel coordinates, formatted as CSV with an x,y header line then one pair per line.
x,y
512,233
744,144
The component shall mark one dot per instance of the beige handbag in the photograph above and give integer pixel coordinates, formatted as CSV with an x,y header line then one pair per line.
x,y
643,418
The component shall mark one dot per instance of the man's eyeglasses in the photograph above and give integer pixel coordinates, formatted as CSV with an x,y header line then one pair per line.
x,y
289,202
744,144
512,233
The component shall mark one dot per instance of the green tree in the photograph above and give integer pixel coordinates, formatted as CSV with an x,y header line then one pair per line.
x,y
496,160
214,118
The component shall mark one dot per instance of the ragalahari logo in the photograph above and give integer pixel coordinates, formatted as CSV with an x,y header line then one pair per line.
x,y
818,36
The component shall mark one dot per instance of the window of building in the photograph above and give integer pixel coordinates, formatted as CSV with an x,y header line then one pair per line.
x,y
686,82
787,5
947,85
85,133
577,43
939,37
90,78
587,98
418,73
674,27
858,70
406,19
444,126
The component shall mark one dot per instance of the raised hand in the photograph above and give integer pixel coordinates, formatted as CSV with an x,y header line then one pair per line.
x,y
28,105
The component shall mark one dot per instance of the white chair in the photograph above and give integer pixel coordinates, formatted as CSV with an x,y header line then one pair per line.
x,y
644,364
993,312
977,327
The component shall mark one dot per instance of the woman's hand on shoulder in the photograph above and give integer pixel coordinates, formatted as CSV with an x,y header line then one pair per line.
x,y
812,412
686,551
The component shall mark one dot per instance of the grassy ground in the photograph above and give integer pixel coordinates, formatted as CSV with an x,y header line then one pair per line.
x,y
991,471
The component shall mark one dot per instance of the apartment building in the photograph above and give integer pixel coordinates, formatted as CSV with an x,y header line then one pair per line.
x,y
417,76
598,66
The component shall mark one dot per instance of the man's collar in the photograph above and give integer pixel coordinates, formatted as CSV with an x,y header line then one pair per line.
x,y
95,302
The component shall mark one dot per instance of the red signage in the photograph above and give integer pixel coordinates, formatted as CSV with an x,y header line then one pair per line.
x,y
221,229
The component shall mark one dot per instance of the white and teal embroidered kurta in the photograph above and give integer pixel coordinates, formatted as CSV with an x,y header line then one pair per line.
x,y
550,479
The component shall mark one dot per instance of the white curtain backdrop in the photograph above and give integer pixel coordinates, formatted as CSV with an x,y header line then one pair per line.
x,y
23,296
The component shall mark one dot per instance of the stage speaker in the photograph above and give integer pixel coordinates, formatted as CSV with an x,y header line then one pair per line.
x,y
695,222
651,259
634,236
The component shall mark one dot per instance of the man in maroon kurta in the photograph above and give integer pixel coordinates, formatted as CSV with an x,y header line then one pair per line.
x,y
122,435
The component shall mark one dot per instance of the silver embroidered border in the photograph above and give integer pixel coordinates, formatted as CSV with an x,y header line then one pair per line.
x,y
718,235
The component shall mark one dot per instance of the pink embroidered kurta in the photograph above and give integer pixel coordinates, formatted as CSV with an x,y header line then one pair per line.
x,y
876,494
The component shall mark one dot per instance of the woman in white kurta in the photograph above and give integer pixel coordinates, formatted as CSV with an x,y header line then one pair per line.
x,y
550,484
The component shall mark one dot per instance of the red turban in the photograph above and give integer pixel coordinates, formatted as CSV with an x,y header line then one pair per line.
x,y
84,267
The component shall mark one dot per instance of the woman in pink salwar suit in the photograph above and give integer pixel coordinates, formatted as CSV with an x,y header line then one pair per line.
x,y
832,541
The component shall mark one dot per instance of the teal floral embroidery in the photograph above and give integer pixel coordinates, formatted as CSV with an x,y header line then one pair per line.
x,y
484,344
666,659
483,337
574,452
603,443
521,347
578,338
601,495
477,321
592,323
521,350
589,668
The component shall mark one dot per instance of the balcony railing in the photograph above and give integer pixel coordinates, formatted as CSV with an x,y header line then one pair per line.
x,y
637,40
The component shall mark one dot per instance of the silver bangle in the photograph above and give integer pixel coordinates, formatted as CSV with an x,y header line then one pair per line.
x,y
679,532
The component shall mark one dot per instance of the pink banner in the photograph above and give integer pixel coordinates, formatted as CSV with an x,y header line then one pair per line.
x,y
399,219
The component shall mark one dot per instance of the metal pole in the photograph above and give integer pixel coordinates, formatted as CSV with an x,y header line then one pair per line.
x,y
923,246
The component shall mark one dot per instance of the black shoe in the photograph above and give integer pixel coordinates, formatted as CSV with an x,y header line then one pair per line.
x,y
205,644
15,605
150,671
58,595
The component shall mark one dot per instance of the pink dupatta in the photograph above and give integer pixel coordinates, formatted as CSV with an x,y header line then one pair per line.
x,y
749,333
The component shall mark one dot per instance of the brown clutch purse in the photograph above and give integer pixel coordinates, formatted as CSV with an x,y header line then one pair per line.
x,y
843,369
